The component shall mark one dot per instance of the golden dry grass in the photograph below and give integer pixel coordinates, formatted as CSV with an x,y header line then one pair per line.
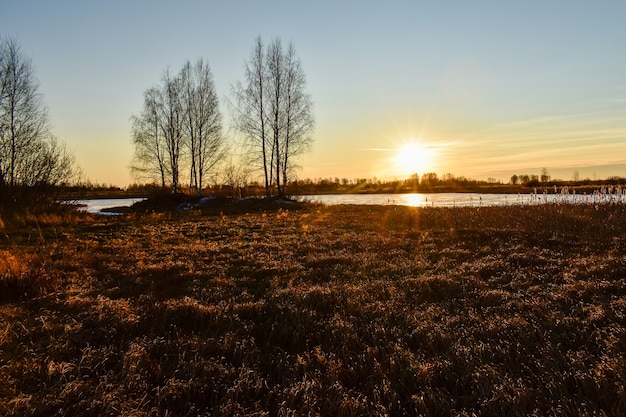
x,y
318,311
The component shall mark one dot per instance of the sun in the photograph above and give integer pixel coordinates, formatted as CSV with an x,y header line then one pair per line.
x,y
414,157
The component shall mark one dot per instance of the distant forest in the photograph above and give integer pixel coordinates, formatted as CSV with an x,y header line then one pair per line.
x,y
427,183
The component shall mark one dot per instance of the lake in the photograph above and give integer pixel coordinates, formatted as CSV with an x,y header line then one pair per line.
x,y
413,200
461,199
96,205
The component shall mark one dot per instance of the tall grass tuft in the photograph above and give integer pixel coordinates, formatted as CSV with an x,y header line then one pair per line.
x,y
21,276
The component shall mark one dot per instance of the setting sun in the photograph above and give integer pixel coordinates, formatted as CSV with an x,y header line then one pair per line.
x,y
414,157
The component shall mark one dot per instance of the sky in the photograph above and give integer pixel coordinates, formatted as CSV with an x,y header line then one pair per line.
x,y
481,89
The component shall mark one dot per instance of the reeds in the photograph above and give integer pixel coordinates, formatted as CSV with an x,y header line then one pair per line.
x,y
21,275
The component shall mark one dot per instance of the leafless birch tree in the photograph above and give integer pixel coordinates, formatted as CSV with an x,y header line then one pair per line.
x,y
158,133
273,111
249,111
179,129
298,116
171,118
29,155
204,139
150,160
275,82
24,120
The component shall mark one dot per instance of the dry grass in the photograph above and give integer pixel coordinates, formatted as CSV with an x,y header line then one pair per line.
x,y
319,311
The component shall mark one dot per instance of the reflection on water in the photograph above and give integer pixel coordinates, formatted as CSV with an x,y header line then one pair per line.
x,y
462,199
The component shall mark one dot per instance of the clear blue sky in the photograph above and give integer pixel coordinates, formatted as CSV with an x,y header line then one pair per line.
x,y
489,88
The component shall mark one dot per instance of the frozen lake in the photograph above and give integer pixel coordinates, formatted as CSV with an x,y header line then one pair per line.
x,y
413,200
461,199
98,204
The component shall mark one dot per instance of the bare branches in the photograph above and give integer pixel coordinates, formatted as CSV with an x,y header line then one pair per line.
x,y
23,117
203,126
150,158
249,110
179,129
29,154
273,111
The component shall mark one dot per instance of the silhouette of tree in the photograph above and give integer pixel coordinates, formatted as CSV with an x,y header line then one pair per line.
x,y
150,160
204,139
249,112
180,123
30,156
273,112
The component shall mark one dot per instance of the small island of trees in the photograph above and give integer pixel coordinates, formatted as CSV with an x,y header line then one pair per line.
x,y
180,128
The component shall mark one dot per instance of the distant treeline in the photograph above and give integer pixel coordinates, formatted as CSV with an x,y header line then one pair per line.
x,y
432,183
428,183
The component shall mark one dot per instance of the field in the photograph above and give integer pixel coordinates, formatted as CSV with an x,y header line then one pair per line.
x,y
314,310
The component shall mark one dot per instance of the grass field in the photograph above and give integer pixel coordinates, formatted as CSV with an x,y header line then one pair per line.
x,y
313,310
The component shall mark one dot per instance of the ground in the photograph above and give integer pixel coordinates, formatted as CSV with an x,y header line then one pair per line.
x,y
314,310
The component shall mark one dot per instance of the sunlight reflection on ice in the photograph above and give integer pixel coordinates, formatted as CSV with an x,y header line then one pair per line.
x,y
463,199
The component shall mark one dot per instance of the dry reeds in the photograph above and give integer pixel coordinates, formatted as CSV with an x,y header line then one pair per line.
x,y
321,311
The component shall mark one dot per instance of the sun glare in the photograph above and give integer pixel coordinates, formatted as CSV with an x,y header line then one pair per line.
x,y
413,157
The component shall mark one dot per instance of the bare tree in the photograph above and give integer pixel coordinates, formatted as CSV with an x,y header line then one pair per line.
x,y
275,81
273,111
29,155
180,124
171,119
204,138
299,121
150,161
249,111
158,133
24,117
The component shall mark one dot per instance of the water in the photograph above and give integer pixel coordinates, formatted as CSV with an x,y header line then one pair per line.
x,y
463,199
413,200
99,204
